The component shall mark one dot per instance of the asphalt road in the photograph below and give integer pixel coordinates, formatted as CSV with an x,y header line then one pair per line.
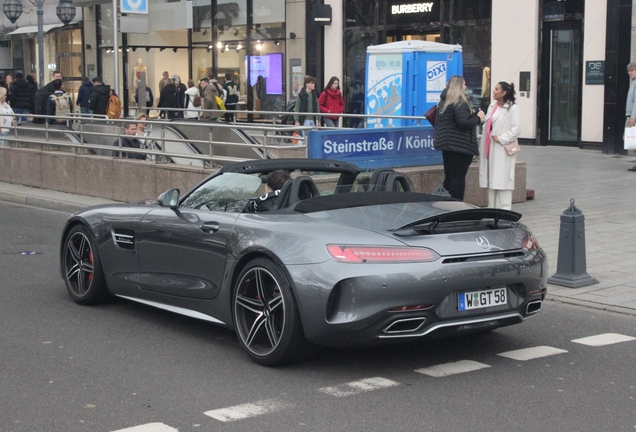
x,y
65,367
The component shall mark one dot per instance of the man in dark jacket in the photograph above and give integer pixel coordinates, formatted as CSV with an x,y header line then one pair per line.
x,y
98,100
42,98
169,98
21,97
83,96
130,131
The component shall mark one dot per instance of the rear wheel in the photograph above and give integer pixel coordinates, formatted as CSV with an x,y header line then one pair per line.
x,y
266,317
83,272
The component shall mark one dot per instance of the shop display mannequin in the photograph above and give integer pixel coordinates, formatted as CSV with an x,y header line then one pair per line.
x,y
140,77
202,71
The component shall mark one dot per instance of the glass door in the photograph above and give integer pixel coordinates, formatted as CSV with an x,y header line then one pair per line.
x,y
560,101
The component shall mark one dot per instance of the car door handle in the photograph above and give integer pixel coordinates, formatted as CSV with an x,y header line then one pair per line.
x,y
210,227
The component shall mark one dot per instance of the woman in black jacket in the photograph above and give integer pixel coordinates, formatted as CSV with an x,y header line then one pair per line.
x,y
455,135
168,98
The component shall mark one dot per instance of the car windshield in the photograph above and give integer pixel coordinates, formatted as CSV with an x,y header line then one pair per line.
x,y
228,192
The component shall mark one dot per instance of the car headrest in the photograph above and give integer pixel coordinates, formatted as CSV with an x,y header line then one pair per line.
x,y
302,188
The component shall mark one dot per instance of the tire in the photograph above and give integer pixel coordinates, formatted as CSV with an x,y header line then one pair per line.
x,y
270,331
83,271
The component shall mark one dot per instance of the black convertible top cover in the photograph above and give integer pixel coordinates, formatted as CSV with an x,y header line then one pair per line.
x,y
361,199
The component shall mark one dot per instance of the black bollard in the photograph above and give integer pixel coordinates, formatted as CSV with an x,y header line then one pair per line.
x,y
571,265
441,191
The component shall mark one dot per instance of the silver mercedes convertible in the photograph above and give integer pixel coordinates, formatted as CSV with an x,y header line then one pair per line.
x,y
342,258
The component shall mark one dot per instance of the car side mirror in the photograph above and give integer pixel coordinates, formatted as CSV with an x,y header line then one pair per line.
x,y
169,198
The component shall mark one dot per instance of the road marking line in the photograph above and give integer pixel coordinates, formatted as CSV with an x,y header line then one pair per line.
x,y
149,427
447,369
532,353
240,412
604,339
355,387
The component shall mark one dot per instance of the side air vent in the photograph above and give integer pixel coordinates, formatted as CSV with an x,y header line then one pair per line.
x,y
124,238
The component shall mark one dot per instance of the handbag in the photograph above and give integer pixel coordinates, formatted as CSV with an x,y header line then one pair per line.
x,y
512,148
431,115
630,138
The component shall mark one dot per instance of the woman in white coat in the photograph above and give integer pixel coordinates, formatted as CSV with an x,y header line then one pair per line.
x,y
191,111
496,167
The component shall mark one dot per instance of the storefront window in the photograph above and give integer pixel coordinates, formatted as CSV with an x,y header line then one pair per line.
x,y
360,13
475,42
472,9
64,53
356,43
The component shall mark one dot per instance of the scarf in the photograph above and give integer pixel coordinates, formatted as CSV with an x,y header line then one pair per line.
x,y
488,129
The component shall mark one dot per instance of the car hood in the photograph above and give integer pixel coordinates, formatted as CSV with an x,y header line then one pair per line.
x,y
447,227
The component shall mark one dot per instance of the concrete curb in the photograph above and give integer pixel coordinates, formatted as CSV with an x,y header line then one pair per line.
x,y
590,305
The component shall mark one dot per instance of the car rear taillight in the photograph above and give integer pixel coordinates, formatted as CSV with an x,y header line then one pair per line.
x,y
377,254
530,243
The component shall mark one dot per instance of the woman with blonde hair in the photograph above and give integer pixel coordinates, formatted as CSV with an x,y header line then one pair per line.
x,y
455,135
6,116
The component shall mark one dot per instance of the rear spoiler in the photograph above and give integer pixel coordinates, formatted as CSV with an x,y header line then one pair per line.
x,y
478,214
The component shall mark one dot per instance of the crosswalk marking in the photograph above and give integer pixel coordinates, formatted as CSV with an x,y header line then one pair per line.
x,y
149,427
604,339
240,412
532,353
448,369
356,387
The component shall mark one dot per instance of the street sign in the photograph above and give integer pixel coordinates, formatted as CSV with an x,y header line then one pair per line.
x,y
134,6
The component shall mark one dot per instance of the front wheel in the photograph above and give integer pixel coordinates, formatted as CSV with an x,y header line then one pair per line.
x,y
83,272
266,317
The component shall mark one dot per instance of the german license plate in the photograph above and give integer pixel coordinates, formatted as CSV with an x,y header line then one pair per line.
x,y
482,299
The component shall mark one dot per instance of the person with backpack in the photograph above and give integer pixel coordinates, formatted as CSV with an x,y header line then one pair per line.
x,y
59,104
209,99
100,97
331,102
168,99
42,98
83,96
190,94
232,98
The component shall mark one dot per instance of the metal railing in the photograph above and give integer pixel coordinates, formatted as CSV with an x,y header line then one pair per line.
x,y
222,142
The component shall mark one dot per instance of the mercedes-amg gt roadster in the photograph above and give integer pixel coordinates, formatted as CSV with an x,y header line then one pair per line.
x,y
342,258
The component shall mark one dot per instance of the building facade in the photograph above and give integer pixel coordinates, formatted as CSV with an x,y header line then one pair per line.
x,y
566,58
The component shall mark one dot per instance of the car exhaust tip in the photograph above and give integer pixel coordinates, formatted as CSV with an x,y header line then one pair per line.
x,y
533,307
407,325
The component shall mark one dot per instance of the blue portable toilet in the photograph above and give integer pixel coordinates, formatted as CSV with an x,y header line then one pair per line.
x,y
407,78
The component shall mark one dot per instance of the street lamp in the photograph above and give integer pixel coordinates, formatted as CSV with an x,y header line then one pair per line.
x,y
65,11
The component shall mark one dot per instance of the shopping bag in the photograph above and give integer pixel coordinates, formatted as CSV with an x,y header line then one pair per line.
x,y
630,138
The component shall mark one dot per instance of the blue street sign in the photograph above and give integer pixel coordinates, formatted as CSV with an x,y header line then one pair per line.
x,y
376,147
134,6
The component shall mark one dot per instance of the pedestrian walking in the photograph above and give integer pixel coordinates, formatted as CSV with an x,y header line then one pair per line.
x,y
168,99
6,117
59,104
496,166
181,89
331,102
232,97
83,96
42,97
209,93
630,107
34,89
100,95
306,102
191,93
21,100
455,135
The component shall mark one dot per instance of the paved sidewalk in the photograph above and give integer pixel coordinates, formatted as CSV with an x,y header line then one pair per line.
x,y
601,186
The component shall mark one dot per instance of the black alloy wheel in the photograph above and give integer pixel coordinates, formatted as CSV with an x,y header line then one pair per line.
x,y
82,268
266,317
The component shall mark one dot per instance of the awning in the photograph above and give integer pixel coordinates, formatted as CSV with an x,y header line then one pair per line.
x,y
34,29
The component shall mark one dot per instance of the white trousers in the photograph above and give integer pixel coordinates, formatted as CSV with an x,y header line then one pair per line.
x,y
501,199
